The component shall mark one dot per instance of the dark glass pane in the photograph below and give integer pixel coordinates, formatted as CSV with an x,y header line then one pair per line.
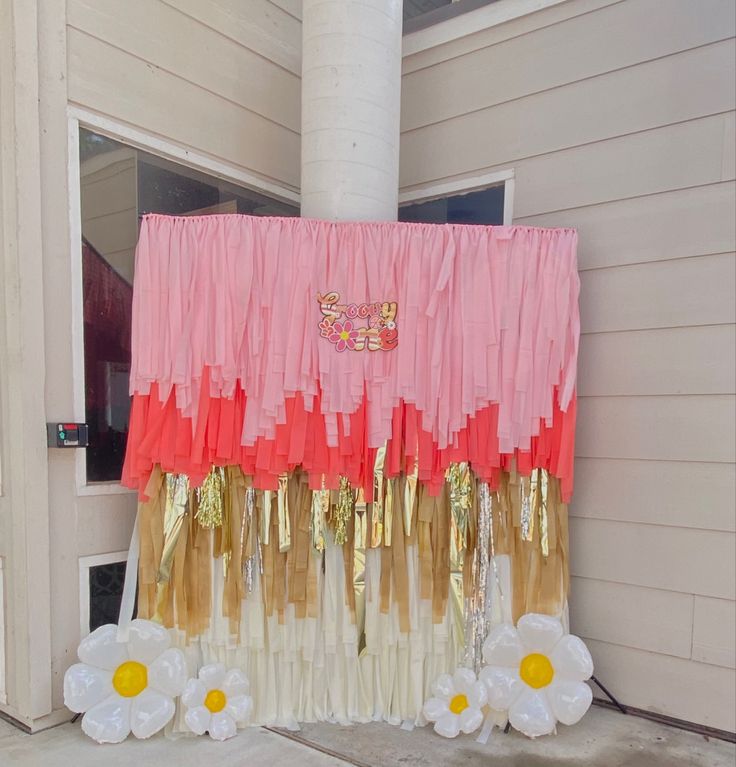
x,y
483,207
420,14
164,187
105,593
109,233
413,8
118,185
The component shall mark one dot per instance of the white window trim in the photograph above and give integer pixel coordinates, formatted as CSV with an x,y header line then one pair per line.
x,y
440,189
85,564
79,117
471,22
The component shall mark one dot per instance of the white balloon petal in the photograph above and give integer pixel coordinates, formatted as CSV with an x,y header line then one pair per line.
x,y
571,659
102,649
477,694
147,640
503,684
463,678
503,646
434,708
570,701
539,633
442,687
198,719
213,676
531,714
448,725
194,693
239,707
86,686
235,683
470,720
222,726
168,673
150,712
109,721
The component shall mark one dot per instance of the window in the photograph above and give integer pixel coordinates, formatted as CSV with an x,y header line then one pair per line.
x,y
419,14
106,583
118,185
485,206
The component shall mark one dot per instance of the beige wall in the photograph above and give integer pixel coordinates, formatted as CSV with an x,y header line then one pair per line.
x,y
199,74
617,118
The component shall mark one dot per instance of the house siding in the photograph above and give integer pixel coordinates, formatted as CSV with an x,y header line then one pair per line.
x,y
617,118
200,73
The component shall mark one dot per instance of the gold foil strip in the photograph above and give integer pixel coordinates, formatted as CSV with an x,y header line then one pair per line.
x,y
361,521
388,513
343,511
377,521
320,507
461,498
410,494
176,507
360,528
527,518
265,509
283,512
210,505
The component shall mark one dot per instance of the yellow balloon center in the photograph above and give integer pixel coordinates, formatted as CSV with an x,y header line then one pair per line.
x,y
344,335
536,670
130,679
215,700
458,704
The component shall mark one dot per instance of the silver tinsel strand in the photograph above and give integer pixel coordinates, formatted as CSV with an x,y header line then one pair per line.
x,y
478,604
249,561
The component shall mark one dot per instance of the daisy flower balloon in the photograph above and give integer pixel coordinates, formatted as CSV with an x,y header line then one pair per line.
x,y
537,673
457,703
217,701
125,686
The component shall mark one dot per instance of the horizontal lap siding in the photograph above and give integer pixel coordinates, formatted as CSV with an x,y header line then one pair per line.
x,y
618,120
179,71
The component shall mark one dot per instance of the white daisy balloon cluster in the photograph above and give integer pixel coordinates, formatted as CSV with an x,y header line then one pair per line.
x,y
457,703
125,686
131,686
217,701
535,677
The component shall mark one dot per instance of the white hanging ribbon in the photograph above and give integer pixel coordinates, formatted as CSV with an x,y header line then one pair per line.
x,y
127,602
485,733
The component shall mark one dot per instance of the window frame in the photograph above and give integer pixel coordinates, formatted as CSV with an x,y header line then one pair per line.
x,y
440,189
77,118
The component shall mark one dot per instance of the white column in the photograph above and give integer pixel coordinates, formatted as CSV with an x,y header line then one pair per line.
x,y
351,88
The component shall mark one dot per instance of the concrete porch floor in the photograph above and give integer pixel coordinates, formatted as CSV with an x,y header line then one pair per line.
x,y
604,739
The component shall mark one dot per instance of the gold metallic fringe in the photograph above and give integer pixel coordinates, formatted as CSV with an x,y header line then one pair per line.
x,y
184,532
